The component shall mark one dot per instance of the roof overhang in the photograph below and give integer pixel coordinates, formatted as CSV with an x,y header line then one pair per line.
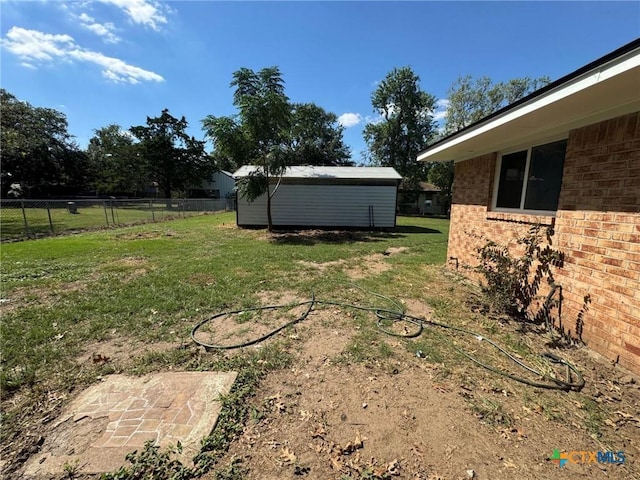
x,y
328,173
608,89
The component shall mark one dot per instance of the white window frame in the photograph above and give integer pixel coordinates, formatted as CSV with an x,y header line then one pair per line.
x,y
496,180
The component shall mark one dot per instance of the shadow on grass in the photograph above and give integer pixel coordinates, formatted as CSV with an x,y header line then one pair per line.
x,y
313,237
414,229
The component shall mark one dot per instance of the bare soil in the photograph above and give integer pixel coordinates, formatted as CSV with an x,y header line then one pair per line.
x,y
402,418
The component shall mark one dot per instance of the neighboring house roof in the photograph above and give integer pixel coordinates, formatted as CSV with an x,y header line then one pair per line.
x,y
429,187
370,173
224,172
603,89
424,187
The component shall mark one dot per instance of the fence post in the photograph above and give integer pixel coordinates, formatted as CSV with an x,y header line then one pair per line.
x,y
106,217
153,215
49,215
24,217
113,218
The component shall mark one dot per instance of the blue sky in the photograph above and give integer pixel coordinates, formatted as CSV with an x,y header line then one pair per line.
x,y
118,61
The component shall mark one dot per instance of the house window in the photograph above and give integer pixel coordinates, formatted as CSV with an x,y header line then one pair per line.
x,y
530,179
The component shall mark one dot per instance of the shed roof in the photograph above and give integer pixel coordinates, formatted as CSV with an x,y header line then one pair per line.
x,y
369,173
603,89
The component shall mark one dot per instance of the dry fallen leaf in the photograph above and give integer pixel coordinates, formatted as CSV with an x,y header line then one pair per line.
x,y
287,456
393,468
319,432
336,463
305,415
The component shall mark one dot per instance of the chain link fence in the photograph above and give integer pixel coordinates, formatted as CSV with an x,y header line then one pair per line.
x,y
20,219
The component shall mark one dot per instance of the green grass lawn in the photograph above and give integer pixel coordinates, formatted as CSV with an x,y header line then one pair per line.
x,y
65,297
153,282
41,221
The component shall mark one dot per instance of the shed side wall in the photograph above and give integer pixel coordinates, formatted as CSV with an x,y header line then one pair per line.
x,y
597,226
323,206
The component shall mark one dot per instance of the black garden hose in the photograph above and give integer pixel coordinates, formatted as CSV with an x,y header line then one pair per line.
x,y
386,315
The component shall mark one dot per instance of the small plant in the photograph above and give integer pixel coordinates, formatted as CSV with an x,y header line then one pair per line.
x,y
152,462
490,412
512,282
71,469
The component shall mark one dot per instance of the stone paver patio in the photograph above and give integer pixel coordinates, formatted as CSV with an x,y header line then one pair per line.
x,y
119,415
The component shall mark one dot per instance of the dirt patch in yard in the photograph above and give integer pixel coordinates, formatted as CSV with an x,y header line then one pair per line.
x,y
119,352
313,236
245,326
359,268
146,235
406,417
22,297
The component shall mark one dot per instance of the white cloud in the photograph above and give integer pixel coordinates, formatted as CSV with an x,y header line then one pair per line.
x,y
144,12
440,111
349,119
28,65
33,46
105,30
375,119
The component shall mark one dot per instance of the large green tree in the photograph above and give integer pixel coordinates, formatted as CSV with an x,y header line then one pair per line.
x,y
173,159
309,135
406,124
259,134
316,137
38,153
117,165
471,100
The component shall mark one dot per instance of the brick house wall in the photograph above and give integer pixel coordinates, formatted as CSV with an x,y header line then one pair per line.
x,y
597,226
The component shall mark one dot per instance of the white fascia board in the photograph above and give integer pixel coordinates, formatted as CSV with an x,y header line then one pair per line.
x,y
604,72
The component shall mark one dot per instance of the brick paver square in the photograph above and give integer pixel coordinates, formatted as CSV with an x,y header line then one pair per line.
x,y
129,411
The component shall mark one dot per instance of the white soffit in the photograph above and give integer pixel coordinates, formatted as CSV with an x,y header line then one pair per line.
x,y
608,91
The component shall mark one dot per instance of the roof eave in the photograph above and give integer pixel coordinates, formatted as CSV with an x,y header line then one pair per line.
x,y
580,94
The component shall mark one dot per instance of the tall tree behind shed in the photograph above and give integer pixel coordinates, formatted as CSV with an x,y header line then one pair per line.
x,y
316,137
174,159
405,126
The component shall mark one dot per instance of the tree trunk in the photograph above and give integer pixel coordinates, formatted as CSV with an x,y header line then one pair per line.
x,y
269,221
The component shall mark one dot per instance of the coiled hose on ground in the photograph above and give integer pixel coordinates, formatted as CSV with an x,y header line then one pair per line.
x,y
385,315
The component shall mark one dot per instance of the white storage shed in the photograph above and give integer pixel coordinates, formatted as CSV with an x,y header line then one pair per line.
x,y
325,197
220,185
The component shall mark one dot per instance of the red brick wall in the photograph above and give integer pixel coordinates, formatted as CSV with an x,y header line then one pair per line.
x,y
597,226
